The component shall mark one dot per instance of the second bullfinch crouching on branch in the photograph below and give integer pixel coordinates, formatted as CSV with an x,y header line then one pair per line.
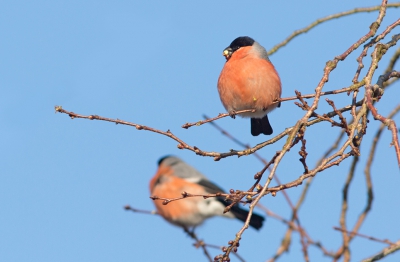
x,y
174,177
249,81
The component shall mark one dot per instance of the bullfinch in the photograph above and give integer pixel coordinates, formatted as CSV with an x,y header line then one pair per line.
x,y
248,80
174,177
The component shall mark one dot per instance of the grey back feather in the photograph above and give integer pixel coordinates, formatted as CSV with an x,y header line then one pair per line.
x,y
261,51
182,170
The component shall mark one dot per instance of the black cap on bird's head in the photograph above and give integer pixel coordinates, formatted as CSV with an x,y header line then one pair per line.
x,y
239,42
168,160
162,159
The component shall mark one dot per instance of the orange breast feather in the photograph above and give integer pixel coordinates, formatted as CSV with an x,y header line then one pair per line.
x,y
247,81
165,184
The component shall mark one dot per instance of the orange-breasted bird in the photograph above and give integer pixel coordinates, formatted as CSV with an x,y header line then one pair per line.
x,y
174,177
249,81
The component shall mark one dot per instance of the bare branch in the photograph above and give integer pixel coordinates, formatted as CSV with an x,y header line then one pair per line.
x,y
327,18
365,236
386,251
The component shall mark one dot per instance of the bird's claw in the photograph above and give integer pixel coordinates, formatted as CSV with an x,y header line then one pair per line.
x,y
232,114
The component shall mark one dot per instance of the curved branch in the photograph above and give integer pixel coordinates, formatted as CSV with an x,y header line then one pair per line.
x,y
327,18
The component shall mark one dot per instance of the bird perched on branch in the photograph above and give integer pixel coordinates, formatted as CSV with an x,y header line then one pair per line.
x,y
174,177
249,81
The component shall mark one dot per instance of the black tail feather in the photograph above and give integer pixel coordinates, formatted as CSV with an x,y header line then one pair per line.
x,y
256,220
261,125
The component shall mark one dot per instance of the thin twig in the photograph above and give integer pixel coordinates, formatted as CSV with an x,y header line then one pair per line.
x,y
128,207
385,241
327,18
221,115
386,251
199,243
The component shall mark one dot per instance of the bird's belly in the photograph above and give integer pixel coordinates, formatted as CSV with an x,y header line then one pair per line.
x,y
245,97
249,82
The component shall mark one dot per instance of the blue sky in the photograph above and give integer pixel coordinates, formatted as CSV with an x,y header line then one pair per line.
x,y
64,182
